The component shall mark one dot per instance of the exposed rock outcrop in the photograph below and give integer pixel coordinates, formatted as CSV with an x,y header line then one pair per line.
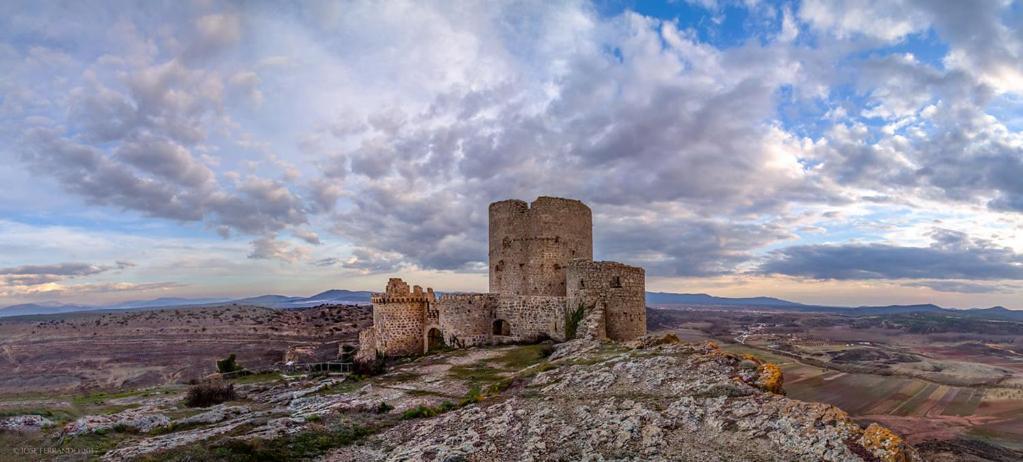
x,y
24,423
665,400
142,420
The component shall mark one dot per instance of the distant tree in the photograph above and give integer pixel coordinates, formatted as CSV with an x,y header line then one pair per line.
x,y
228,365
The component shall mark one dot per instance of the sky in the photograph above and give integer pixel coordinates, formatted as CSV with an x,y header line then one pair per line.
x,y
823,151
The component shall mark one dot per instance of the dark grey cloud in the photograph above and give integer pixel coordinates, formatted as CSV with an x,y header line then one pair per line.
x,y
151,168
59,269
440,230
90,173
690,248
44,274
165,159
951,255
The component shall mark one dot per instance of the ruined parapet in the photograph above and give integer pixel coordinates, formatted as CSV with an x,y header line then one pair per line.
x,y
616,288
592,326
466,319
530,245
367,352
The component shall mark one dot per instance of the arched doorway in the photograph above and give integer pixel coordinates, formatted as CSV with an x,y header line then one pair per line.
x,y
501,327
435,340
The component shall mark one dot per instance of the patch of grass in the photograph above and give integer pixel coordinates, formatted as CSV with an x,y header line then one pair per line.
x,y
525,356
257,378
347,386
428,411
99,398
399,377
304,445
476,373
428,393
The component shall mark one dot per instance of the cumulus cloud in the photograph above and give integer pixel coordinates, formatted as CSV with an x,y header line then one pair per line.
x,y
664,120
269,248
951,255
387,129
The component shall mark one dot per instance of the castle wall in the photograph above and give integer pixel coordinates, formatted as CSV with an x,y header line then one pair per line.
x,y
532,317
531,245
617,288
399,325
540,267
466,319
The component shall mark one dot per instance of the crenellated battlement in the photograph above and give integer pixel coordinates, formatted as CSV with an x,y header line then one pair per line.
x,y
384,299
398,292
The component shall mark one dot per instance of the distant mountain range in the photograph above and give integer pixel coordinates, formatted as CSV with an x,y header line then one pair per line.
x,y
270,301
664,299
670,300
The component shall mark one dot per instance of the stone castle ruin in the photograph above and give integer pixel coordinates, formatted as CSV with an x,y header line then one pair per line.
x,y
543,284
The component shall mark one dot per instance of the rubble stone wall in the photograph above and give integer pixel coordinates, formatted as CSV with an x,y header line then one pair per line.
x,y
532,317
466,319
399,325
618,288
367,346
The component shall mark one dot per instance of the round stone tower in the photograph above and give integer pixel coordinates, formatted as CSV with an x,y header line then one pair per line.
x,y
530,246
508,246
616,291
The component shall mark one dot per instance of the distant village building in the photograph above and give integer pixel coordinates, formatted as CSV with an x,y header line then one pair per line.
x,y
541,273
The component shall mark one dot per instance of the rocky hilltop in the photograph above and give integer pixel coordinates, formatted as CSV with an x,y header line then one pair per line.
x,y
652,399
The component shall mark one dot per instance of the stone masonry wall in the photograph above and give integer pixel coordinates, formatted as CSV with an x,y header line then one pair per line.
x,y
532,317
399,327
466,319
530,246
620,289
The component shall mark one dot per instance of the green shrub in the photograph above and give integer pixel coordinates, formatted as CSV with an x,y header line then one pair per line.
x,y
370,368
207,394
572,320
383,408
473,396
419,412
227,365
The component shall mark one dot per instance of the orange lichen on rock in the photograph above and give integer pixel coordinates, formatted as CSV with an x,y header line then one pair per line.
x,y
885,444
650,341
769,378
